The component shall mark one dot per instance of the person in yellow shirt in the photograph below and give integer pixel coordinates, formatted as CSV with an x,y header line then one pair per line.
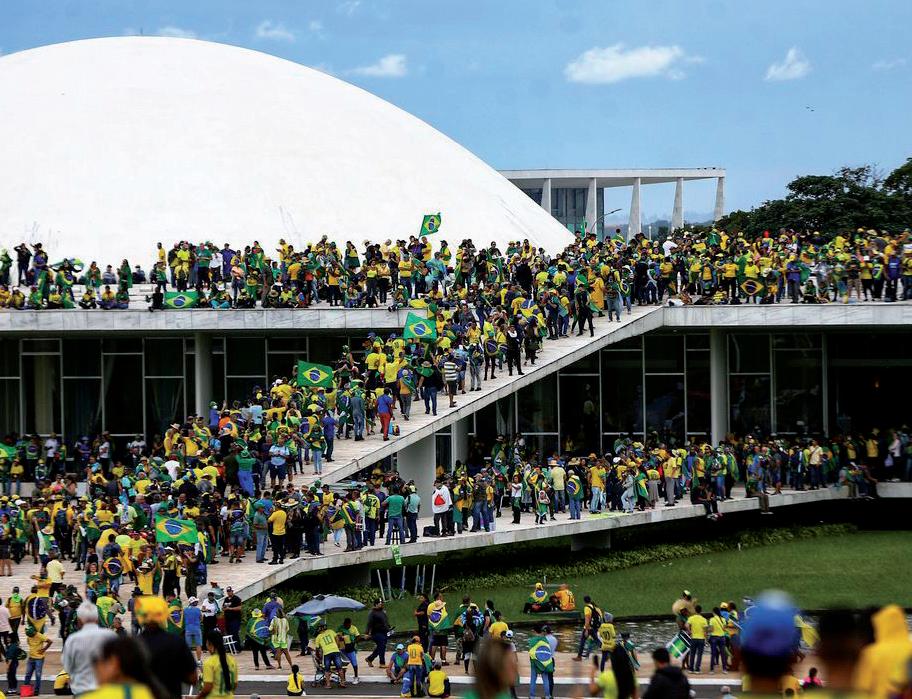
x,y
498,627
696,626
220,672
277,521
38,644
327,643
438,684
607,636
717,641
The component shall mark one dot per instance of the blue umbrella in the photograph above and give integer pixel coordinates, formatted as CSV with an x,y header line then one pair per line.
x,y
323,604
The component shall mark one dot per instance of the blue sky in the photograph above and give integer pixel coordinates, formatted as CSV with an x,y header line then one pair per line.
x,y
565,83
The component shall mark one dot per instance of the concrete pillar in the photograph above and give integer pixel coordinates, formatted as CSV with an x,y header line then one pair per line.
x,y
460,439
202,344
546,196
591,207
719,211
677,214
418,462
718,385
633,223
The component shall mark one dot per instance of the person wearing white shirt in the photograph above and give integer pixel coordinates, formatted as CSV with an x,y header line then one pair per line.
x,y
442,507
210,610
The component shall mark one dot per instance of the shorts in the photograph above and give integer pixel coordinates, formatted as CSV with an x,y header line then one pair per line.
x,y
277,472
332,659
238,539
439,639
352,657
452,385
194,639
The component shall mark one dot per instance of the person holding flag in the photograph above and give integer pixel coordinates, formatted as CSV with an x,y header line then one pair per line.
x,y
438,624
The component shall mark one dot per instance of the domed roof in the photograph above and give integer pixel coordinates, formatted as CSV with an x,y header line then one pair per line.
x,y
111,145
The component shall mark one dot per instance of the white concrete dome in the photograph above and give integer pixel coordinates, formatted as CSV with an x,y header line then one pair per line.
x,y
111,145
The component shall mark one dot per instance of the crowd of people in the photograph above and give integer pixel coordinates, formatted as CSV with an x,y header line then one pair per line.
x,y
704,267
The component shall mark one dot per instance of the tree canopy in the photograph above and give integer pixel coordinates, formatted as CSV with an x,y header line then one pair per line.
x,y
851,198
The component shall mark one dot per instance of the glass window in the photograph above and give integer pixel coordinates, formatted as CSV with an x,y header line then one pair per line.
x,y
218,382
665,407
587,365
123,383
82,357
288,344
798,341
748,354
122,344
622,392
506,415
442,443
862,400
41,385
799,394
164,404
664,353
749,404
82,401
326,349
9,358
165,357
218,385
41,345
860,349
698,399
631,343
697,341
246,356
541,446
283,363
241,389
538,406
9,406
579,414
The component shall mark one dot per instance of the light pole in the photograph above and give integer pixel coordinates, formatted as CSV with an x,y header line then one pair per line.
x,y
600,219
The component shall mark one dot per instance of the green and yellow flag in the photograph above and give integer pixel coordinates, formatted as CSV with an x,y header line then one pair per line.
x,y
430,224
172,530
314,375
752,287
419,328
181,299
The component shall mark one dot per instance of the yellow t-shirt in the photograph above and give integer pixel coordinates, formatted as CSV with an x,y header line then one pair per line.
x,y
716,626
120,691
436,683
327,642
36,645
698,624
498,629
415,654
277,519
212,672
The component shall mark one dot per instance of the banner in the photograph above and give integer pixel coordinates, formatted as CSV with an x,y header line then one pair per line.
x,y
419,328
173,530
314,375
430,224
181,299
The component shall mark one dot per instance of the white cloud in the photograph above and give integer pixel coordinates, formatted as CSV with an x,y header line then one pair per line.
x,y
177,32
391,66
315,26
889,64
615,63
349,7
274,31
793,67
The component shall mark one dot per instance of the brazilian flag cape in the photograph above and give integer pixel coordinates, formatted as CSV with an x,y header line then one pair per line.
x,y
541,657
438,619
175,618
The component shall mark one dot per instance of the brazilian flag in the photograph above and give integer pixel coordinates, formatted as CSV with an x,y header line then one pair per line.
x,y
314,375
752,287
679,645
430,224
541,657
438,619
419,328
171,529
181,299
7,452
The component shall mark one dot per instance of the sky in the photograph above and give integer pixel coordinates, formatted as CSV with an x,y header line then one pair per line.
x,y
769,90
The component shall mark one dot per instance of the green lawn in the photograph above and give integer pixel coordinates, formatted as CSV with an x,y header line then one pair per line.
x,y
857,570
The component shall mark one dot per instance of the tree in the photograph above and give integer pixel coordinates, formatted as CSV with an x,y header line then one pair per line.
x,y
850,198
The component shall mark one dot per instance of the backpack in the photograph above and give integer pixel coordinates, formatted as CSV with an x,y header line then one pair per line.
x,y
596,618
60,519
239,527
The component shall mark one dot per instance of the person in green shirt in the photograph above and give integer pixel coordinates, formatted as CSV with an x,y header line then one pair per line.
x,y
394,505
350,635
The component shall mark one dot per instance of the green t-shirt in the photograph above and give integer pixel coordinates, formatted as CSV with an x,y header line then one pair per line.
x,y
394,505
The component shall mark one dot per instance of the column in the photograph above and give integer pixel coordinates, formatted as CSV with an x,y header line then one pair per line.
x,y
677,215
418,462
460,440
591,207
719,211
202,344
633,222
546,196
718,385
